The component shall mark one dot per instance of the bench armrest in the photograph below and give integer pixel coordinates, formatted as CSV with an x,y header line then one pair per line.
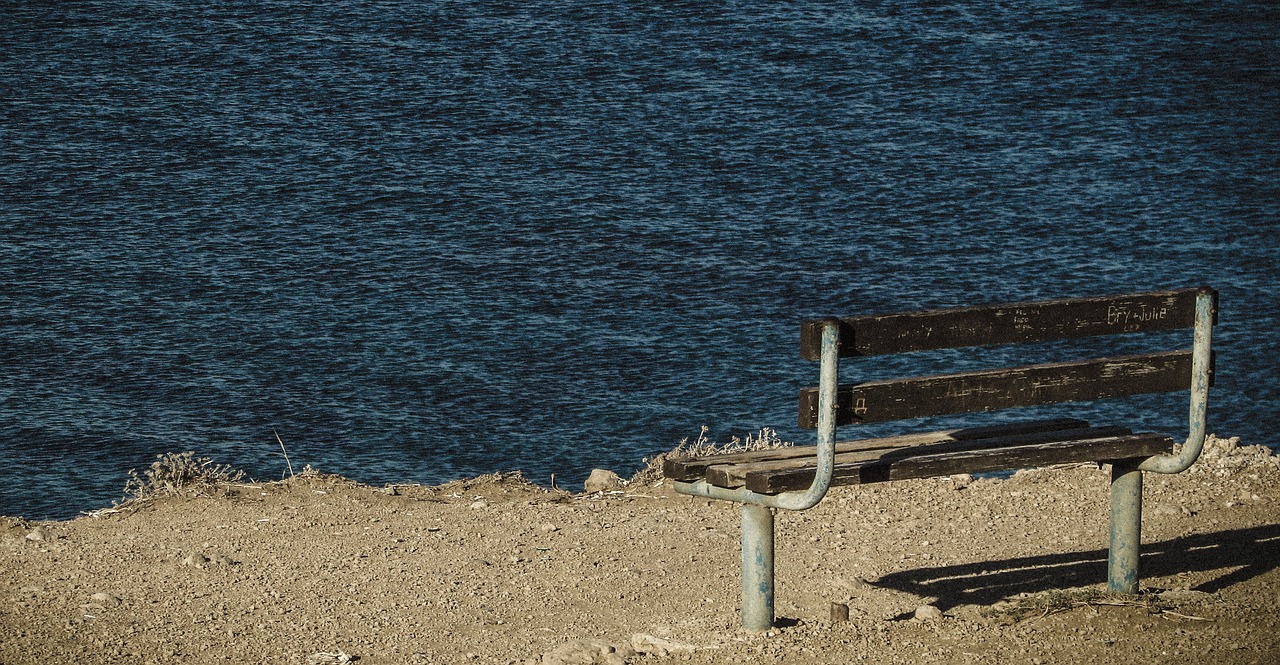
x,y
1201,364
828,380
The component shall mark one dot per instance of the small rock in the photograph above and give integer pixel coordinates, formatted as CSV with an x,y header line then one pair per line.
x,y
585,652
479,503
651,645
38,534
1185,596
196,559
326,657
105,599
961,480
928,613
601,480
547,527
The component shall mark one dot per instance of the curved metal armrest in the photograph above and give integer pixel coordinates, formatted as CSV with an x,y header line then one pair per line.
x,y
827,381
1201,365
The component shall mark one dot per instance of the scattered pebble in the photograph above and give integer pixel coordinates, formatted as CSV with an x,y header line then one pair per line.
x,y
1184,596
38,534
585,652
1171,510
928,613
643,643
105,599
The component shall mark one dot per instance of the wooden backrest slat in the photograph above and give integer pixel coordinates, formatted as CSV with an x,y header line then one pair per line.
x,y
1031,385
990,325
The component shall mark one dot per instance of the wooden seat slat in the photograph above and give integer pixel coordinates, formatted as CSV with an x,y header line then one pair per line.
x,y
735,475
969,461
693,468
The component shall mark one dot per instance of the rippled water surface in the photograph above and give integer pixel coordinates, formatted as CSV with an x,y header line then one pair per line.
x,y
422,241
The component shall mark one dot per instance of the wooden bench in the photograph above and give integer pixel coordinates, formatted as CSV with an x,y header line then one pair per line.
x,y
797,478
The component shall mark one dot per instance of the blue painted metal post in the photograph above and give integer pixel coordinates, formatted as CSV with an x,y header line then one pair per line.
x,y
1126,478
1126,528
757,567
757,509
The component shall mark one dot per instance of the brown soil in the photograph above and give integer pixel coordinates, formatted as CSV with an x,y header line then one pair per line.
x,y
496,570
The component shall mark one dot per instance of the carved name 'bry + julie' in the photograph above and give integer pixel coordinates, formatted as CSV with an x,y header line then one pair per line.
x,y
1119,315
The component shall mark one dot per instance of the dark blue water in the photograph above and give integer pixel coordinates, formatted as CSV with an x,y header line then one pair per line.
x,y
423,241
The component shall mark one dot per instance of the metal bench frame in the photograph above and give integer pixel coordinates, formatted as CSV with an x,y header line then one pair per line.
x,y
1126,477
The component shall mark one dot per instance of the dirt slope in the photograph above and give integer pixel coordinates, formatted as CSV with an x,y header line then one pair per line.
x,y
496,570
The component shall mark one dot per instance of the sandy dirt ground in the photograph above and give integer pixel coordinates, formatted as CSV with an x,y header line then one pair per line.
x,y
318,569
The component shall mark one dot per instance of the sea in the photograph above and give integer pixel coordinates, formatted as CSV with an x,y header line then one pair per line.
x,y
416,241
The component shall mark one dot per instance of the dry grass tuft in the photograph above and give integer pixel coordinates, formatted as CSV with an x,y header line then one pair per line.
x,y
173,474
765,439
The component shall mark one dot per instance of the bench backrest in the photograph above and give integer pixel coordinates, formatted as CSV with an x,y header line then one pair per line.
x,y
878,401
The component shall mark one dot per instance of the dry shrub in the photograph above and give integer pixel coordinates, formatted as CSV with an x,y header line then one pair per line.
x,y
765,439
173,474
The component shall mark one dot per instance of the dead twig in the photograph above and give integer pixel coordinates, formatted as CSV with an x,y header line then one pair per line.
x,y
284,452
1177,616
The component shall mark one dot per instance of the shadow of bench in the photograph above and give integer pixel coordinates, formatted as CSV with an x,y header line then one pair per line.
x,y
1248,553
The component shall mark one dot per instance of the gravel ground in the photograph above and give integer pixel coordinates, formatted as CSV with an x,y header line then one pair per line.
x,y
318,569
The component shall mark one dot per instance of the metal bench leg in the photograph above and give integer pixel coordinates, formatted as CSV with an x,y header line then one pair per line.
x,y
757,567
1126,528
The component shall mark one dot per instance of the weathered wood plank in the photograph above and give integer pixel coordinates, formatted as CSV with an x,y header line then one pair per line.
x,y
973,461
694,468
987,390
990,325
735,475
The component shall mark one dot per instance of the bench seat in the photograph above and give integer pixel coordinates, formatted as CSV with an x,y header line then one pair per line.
x,y
924,455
